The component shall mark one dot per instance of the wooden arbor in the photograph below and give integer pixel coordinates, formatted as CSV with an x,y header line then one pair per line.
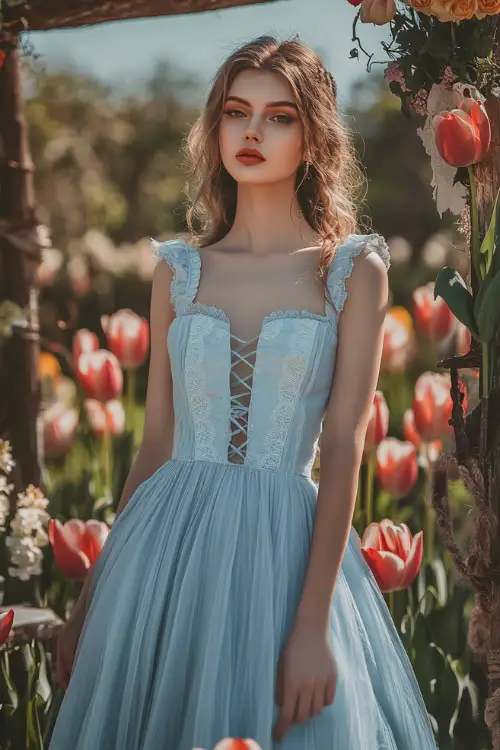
x,y
19,236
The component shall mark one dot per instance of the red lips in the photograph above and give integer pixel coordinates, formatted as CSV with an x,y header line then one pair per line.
x,y
250,153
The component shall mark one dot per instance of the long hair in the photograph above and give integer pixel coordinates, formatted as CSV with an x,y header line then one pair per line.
x,y
328,185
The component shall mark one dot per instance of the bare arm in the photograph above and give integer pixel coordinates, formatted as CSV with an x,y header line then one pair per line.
x,y
157,439
342,439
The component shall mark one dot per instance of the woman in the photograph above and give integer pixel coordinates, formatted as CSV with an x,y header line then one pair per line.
x,y
231,597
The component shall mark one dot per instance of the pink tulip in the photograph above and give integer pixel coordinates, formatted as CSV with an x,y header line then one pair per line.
x,y
84,342
105,416
100,374
378,12
6,621
397,468
378,424
432,405
128,337
428,451
59,426
433,317
392,553
77,544
463,135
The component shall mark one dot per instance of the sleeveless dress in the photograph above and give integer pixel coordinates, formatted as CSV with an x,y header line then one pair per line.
x,y
198,582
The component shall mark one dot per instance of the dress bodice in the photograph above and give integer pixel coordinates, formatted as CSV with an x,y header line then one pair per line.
x,y
261,402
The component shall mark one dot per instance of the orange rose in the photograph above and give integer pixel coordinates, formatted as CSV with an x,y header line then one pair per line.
x,y
422,5
461,9
488,8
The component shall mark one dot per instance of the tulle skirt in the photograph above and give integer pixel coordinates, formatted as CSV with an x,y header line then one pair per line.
x,y
191,602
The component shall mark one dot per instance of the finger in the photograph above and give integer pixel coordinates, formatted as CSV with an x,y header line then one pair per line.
x,y
318,702
304,704
331,689
286,714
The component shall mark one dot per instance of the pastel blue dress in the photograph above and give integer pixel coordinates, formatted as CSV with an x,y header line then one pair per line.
x,y
199,580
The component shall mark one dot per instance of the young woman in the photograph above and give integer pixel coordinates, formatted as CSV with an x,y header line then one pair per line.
x,y
231,598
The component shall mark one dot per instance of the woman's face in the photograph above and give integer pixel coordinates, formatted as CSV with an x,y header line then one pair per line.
x,y
259,113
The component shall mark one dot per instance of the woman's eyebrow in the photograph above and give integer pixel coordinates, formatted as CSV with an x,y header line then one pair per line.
x,y
283,103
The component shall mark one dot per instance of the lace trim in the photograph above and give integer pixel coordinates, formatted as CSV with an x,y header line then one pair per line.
x,y
294,369
196,392
173,252
343,264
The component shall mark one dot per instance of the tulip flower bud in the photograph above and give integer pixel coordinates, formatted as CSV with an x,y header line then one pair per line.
x,y
84,341
59,426
100,374
432,405
433,317
397,468
378,424
6,621
128,337
77,544
392,553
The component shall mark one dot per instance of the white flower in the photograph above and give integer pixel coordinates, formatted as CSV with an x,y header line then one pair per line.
x,y
7,463
32,497
4,511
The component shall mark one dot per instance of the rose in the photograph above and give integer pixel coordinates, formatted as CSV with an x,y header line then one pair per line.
x,y
378,12
461,9
488,8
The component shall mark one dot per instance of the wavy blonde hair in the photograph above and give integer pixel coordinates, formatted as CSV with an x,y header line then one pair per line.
x,y
329,185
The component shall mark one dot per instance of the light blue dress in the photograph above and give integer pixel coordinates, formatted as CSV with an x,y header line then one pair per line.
x,y
198,582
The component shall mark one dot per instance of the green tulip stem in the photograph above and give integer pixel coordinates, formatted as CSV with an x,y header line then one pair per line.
x,y
474,219
485,374
130,398
429,513
390,598
106,458
370,482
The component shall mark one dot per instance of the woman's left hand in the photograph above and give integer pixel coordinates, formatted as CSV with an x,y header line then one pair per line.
x,y
306,678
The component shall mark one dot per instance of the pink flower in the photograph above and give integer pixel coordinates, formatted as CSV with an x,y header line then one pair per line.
x,y
109,415
392,553
378,424
59,426
84,341
432,405
128,337
397,468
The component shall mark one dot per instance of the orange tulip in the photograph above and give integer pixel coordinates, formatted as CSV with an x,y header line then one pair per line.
x,y
398,342
432,405
397,468
378,424
433,317
110,416
463,135
84,341
59,426
77,544
128,337
393,554
100,374
6,621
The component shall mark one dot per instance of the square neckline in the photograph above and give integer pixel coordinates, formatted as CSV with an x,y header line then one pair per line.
x,y
194,307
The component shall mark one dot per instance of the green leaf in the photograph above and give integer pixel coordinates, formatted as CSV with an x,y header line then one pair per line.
x,y
453,289
488,244
487,308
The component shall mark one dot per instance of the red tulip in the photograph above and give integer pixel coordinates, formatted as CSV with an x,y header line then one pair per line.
x,y
128,337
428,451
355,2
6,621
84,342
397,468
433,317
463,135
110,416
432,405
236,743
378,424
77,544
59,426
3,57
392,553
100,374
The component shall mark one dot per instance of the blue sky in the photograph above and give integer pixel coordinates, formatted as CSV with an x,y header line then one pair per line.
x,y
125,51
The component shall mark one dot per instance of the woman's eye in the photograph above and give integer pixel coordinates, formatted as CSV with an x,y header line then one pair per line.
x,y
230,112
286,118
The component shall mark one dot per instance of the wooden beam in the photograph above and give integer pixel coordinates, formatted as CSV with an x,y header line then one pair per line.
x,y
42,15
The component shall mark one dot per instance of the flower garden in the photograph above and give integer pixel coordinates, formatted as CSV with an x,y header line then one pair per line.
x,y
428,500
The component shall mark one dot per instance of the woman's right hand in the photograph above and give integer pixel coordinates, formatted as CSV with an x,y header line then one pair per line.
x,y
67,642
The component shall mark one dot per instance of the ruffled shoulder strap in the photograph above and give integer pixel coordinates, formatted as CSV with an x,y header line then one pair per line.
x,y
342,264
185,263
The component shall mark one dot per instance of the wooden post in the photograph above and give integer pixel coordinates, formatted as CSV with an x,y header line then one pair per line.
x,y
19,257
